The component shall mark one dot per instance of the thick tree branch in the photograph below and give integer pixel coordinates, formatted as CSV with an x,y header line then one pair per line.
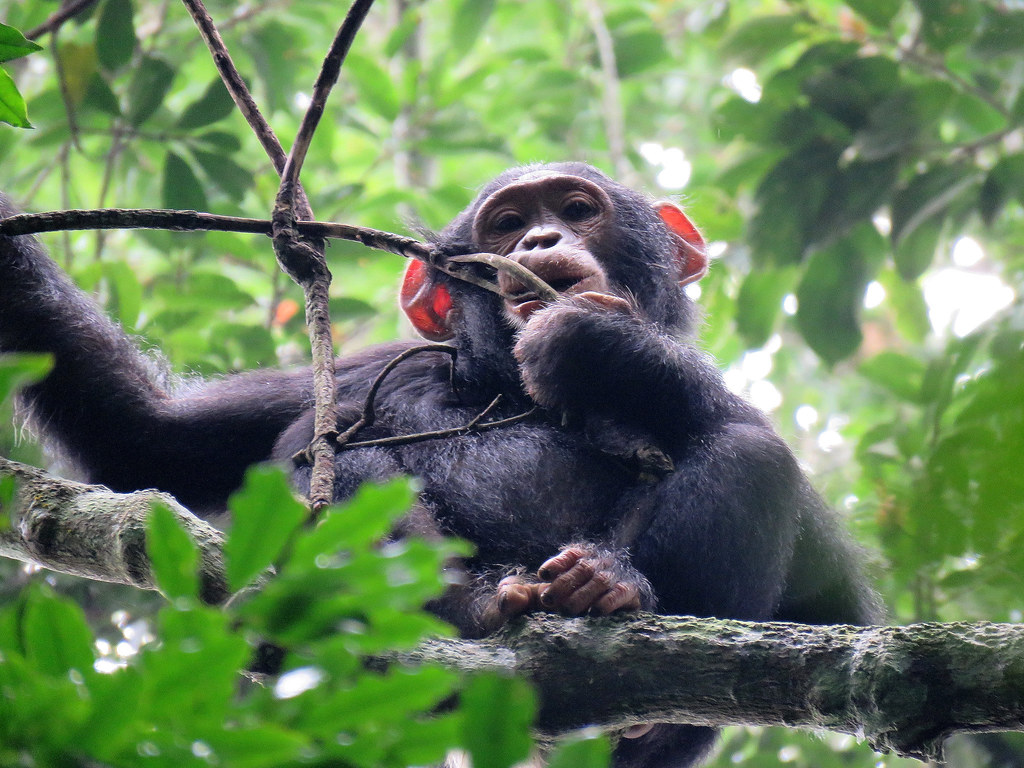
x,y
92,532
905,689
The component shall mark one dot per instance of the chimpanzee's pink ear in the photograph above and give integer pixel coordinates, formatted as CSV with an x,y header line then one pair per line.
x,y
691,250
426,303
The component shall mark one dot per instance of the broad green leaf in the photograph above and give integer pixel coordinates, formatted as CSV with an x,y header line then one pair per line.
x,y
172,554
115,34
126,296
266,746
831,294
181,188
592,752
1004,182
760,302
375,86
57,637
19,370
80,66
99,96
150,83
12,105
1002,33
14,45
637,50
114,718
763,36
264,515
902,375
877,12
498,713
946,23
215,104
191,678
470,18
927,196
231,178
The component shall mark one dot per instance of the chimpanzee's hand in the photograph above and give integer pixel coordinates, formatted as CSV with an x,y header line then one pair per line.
x,y
584,579
574,331
516,594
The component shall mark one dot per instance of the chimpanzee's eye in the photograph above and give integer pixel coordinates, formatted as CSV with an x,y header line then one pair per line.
x,y
578,210
508,222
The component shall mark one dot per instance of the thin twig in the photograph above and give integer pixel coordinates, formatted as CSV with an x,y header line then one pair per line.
x,y
242,97
470,428
304,261
614,121
54,23
195,221
369,415
544,291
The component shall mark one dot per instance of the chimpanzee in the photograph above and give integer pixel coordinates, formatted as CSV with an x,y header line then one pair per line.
x,y
637,482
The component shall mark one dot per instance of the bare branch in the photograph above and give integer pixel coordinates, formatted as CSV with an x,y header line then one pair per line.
x,y
369,415
55,22
544,291
243,98
194,221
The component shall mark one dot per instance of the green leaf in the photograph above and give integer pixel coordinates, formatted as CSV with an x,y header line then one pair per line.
x,y
115,34
376,89
264,515
114,715
264,747
1002,34
760,302
591,752
227,175
150,83
1004,182
99,96
126,293
19,370
181,188
831,294
57,637
172,554
637,50
902,375
919,211
498,713
948,22
470,19
12,105
763,36
14,45
877,12
215,104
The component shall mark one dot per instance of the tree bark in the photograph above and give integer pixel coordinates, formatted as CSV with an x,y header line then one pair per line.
x,y
904,689
92,532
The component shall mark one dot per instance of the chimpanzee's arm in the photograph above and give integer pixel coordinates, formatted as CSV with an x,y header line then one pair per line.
x,y
581,357
104,403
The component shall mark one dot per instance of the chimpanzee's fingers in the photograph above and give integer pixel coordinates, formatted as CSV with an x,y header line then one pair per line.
x,y
574,578
620,597
560,563
606,300
515,596
587,595
636,731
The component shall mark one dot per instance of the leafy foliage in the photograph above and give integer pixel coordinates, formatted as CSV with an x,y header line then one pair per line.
x,y
834,153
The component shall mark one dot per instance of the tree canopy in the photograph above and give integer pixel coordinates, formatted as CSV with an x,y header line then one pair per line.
x,y
858,168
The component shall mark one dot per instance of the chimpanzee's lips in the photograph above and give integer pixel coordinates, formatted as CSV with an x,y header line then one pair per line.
x,y
523,302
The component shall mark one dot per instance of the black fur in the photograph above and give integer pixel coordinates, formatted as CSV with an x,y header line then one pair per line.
x,y
734,530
